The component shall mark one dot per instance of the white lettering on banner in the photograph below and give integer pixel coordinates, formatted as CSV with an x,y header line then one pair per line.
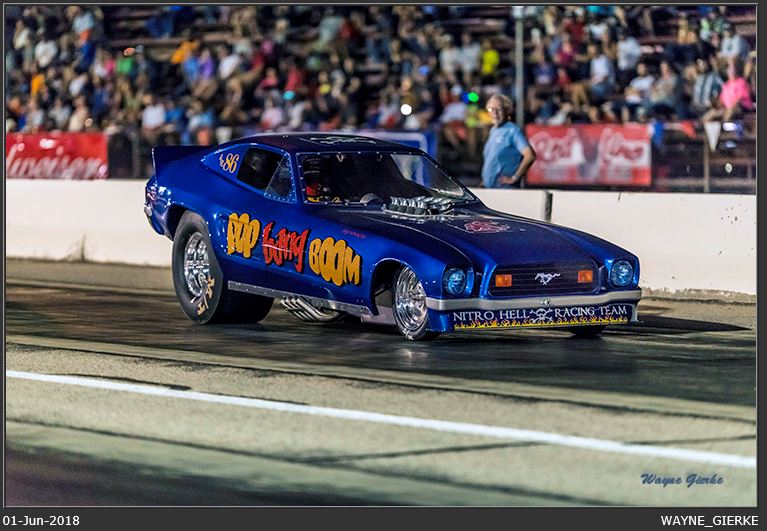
x,y
565,151
63,167
613,310
615,149
528,316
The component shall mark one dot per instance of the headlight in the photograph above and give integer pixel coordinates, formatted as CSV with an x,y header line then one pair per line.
x,y
454,281
622,273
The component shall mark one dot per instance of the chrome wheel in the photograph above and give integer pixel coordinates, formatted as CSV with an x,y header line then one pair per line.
x,y
200,284
409,304
196,264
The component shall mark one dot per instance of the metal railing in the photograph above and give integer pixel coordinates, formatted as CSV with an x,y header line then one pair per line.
x,y
678,165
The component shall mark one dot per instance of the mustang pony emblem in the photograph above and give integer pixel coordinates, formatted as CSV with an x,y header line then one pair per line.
x,y
545,278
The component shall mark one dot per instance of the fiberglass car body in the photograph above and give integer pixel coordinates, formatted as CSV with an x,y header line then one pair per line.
x,y
340,224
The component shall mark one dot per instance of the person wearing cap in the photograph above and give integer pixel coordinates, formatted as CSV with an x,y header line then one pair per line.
x,y
629,52
449,55
734,46
507,153
706,88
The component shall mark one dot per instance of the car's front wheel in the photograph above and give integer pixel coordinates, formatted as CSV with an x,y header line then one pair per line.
x,y
409,306
200,283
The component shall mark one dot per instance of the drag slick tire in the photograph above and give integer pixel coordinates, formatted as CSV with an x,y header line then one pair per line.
x,y
409,306
200,284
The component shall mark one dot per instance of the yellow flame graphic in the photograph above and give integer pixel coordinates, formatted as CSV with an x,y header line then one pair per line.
x,y
477,325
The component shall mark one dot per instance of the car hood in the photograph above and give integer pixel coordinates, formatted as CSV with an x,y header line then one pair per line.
x,y
483,237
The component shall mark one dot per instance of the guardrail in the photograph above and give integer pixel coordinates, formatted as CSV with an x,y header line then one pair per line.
x,y
689,245
683,163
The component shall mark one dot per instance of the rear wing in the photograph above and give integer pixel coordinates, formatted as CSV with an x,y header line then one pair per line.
x,y
164,155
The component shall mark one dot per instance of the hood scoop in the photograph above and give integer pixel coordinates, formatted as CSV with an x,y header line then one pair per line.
x,y
419,206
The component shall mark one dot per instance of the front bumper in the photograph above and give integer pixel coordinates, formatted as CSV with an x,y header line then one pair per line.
x,y
617,307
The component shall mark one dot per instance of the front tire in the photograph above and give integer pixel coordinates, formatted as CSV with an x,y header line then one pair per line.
x,y
409,306
200,284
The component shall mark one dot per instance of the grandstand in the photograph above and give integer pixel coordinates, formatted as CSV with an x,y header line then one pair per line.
x,y
199,74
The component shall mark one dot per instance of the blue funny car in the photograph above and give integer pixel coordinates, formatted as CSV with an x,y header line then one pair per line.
x,y
335,224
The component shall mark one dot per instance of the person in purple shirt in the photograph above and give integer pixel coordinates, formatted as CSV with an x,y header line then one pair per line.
x,y
507,153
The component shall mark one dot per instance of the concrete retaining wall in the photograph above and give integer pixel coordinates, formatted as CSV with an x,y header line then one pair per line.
x,y
95,221
683,241
527,203
687,243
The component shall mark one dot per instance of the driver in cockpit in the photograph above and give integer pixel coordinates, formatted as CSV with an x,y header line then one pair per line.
x,y
319,188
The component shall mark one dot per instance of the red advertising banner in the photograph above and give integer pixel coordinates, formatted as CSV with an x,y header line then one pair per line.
x,y
56,155
590,154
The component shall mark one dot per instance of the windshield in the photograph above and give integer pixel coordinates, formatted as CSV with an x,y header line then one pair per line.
x,y
358,177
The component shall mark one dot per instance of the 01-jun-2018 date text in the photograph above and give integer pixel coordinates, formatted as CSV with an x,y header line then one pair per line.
x,y
49,520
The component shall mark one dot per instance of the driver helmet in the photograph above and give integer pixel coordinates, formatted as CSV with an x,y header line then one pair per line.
x,y
311,171
316,185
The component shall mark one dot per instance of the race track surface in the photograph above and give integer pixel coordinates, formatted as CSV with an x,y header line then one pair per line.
x,y
673,396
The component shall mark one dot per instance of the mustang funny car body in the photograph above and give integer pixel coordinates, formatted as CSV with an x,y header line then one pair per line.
x,y
334,224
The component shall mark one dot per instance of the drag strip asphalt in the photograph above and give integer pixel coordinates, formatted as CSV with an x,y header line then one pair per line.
x,y
114,397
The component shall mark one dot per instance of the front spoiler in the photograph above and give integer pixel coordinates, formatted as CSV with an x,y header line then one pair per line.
x,y
607,314
442,305
535,312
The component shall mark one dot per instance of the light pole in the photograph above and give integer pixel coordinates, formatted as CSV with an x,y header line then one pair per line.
x,y
519,23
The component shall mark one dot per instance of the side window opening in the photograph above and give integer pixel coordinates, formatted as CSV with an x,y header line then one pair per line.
x,y
258,167
281,184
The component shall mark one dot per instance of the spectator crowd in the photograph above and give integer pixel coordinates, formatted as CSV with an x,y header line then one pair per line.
x,y
348,67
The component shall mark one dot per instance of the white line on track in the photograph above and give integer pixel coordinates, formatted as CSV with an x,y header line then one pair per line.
x,y
497,432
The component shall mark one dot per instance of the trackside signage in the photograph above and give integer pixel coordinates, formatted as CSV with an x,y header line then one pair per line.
x,y
81,156
590,154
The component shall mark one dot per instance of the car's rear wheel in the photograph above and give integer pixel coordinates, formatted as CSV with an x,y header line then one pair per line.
x,y
409,306
587,331
200,284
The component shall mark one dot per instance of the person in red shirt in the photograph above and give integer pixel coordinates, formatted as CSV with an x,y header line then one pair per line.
x,y
575,25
